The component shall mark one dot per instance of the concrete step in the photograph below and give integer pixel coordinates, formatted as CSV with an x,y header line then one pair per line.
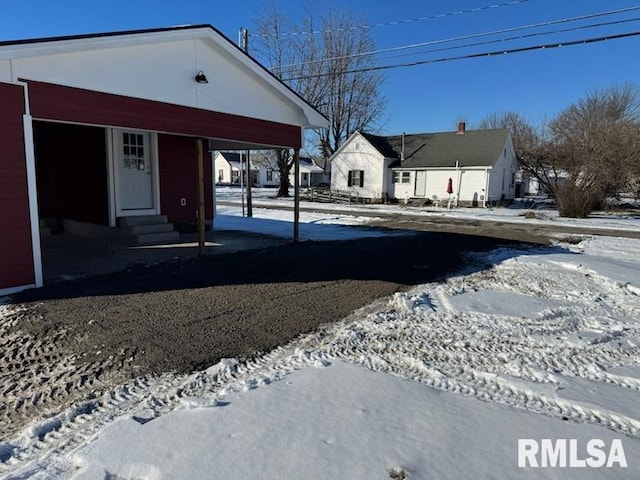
x,y
151,238
142,220
146,229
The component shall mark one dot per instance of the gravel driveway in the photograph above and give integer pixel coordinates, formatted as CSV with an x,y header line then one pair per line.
x,y
74,340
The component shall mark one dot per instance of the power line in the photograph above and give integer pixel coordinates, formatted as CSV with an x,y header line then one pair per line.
x,y
466,37
400,22
475,55
518,37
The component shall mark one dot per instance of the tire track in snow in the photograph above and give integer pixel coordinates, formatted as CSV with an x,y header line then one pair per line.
x,y
421,336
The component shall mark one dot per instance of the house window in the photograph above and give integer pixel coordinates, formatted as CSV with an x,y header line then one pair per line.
x,y
269,175
235,176
356,178
133,151
401,177
220,175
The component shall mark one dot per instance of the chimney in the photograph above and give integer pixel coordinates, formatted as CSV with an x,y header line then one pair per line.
x,y
402,150
461,128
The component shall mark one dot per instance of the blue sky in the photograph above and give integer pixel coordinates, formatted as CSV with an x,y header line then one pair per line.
x,y
431,97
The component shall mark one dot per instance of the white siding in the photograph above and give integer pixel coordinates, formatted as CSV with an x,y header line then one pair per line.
x,y
220,164
401,191
358,154
502,180
472,186
162,71
262,177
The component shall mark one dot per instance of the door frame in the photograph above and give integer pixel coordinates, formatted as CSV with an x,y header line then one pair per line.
x,y
424,186
115,210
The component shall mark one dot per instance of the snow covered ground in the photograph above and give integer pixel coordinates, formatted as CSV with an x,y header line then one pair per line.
x,y
540,215
450,380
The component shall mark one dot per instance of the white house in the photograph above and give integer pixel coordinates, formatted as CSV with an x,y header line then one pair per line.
x,y
266,164
310,173
228,165
477,167
268,174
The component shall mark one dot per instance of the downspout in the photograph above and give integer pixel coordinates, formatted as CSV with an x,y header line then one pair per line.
x,y
32,189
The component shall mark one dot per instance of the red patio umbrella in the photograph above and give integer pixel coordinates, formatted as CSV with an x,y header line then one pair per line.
x,y
450,186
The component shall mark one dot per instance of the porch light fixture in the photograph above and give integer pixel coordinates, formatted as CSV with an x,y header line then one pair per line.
x,y
201,77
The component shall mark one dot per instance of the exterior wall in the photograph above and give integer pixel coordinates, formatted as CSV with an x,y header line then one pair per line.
x,y
262,177
156,67
470,182
16,254
358,154
65,104
219,163
502,180
401,191
179,179
71,172
437,181
473,185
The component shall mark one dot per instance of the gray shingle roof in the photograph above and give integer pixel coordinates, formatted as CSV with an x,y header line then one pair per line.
x,y
474,148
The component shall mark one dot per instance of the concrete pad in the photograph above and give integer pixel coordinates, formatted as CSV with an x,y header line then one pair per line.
x,y
67,256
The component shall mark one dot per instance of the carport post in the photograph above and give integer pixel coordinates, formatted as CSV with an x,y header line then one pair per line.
x,y
201,211
296,195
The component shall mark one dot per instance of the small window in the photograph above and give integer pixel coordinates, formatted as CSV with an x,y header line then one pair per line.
x,y
401,177
269,175
356,178
235,176
133,151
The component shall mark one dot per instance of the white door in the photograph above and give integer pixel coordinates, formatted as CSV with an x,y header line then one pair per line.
x,y
135,175
421,183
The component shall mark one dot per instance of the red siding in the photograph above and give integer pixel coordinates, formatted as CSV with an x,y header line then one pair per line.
x,y
16,256
179,179
57,102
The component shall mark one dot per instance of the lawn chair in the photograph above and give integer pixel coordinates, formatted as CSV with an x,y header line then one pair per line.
x,y
435,200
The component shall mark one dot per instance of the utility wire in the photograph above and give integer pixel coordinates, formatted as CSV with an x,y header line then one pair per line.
x,y
399,22
474,55
517,37
466,37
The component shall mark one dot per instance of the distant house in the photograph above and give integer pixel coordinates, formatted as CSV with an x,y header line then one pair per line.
x,y
310,173
228,165
477,167
266,164
269,176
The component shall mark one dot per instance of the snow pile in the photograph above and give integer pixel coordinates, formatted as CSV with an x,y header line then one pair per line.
x,y
539,344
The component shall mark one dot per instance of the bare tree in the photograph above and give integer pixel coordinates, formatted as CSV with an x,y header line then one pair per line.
x,y
596,141
589,151
327,62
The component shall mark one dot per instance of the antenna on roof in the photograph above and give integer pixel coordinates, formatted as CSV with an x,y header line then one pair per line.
x,y
402,150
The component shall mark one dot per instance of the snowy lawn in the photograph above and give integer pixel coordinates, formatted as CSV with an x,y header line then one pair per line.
x,y
452,380
540,215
